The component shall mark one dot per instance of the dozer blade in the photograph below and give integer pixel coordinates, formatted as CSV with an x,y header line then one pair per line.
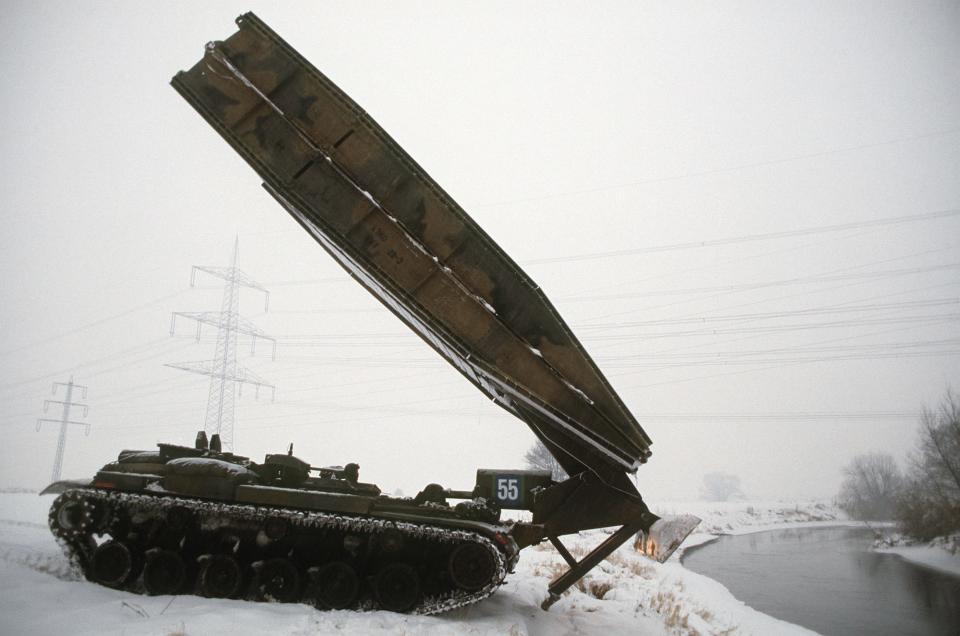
x,y
666,535
62,486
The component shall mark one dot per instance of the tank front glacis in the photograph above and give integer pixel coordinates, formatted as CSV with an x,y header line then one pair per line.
x,y
184,520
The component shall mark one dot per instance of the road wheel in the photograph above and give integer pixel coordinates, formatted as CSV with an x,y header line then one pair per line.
x,y
397,587
220,576
164,572
276,580
112,564
337,585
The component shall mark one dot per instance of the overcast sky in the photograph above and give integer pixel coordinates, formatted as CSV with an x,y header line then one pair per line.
x,y
748,212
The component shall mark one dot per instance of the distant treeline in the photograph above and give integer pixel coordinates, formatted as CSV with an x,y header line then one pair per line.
x,y
924,499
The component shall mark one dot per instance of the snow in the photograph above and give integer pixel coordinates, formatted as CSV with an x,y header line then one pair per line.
x,y
744,517
941,554
206,466
627,593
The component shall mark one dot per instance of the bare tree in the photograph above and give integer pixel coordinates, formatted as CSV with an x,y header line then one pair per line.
x,y
929,505
870,487
539,458
939,447
719,487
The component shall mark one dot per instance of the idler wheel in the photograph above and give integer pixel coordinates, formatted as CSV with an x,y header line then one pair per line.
x,y
276,580
471,566
112,564
220,576
397,587
72,517
75,517
337,585
164,572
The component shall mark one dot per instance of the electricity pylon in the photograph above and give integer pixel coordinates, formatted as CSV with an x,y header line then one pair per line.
x,y
64,420
226,376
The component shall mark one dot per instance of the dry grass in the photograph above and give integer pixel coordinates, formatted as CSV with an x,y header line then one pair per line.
x,y
641,570
578,551
587,585
596,589
637,568
599,589
617,559
666,604
549,570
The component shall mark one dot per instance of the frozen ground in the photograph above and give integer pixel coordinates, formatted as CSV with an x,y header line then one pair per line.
x,y
626,594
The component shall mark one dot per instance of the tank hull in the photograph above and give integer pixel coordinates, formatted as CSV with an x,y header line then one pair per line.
x,y
172,523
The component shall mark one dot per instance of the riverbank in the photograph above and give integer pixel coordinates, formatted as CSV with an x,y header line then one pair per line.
x,y
745,517
627,593
941,554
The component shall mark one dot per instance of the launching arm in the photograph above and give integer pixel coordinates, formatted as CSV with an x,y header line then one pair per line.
x,y
395,231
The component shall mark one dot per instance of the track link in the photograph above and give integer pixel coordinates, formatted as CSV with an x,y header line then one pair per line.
x,y
81,519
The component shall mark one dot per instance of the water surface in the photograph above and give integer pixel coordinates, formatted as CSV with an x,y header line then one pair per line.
x,y
828,580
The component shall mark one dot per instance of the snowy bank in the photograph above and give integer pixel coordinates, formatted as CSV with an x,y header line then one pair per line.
x,y
943,553
744,517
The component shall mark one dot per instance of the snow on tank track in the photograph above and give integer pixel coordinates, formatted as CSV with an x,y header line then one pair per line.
x,y
216,514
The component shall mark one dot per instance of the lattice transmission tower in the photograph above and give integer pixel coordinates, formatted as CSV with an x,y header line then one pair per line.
x,y
226,375
67,403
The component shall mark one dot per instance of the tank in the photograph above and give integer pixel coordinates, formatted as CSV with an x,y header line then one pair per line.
x,y
197,519
185,519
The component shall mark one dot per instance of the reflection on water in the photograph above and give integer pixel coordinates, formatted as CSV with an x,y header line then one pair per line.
x,y
828,580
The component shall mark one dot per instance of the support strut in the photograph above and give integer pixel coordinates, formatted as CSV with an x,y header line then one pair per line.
x,y
579,568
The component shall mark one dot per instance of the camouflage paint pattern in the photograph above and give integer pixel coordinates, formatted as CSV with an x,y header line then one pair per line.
x,y
349,184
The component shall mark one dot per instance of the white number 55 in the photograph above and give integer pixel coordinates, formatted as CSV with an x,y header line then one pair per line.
x,y
507,489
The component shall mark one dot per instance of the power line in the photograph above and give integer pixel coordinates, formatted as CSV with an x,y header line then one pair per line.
x,y
578,297
915,320
735,168
93,363
802,416
719,293
89,325
805,293
810,311
770,367
799,280
750,237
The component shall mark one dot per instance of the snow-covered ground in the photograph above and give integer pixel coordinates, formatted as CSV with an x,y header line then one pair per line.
x,y
940,554
625,594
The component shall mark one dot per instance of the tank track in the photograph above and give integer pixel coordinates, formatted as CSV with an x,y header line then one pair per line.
x,y
100,512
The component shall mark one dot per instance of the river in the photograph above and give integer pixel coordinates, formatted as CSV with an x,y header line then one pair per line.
x,y
828,580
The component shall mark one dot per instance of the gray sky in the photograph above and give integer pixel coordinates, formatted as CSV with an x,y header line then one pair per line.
x,y
702,190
